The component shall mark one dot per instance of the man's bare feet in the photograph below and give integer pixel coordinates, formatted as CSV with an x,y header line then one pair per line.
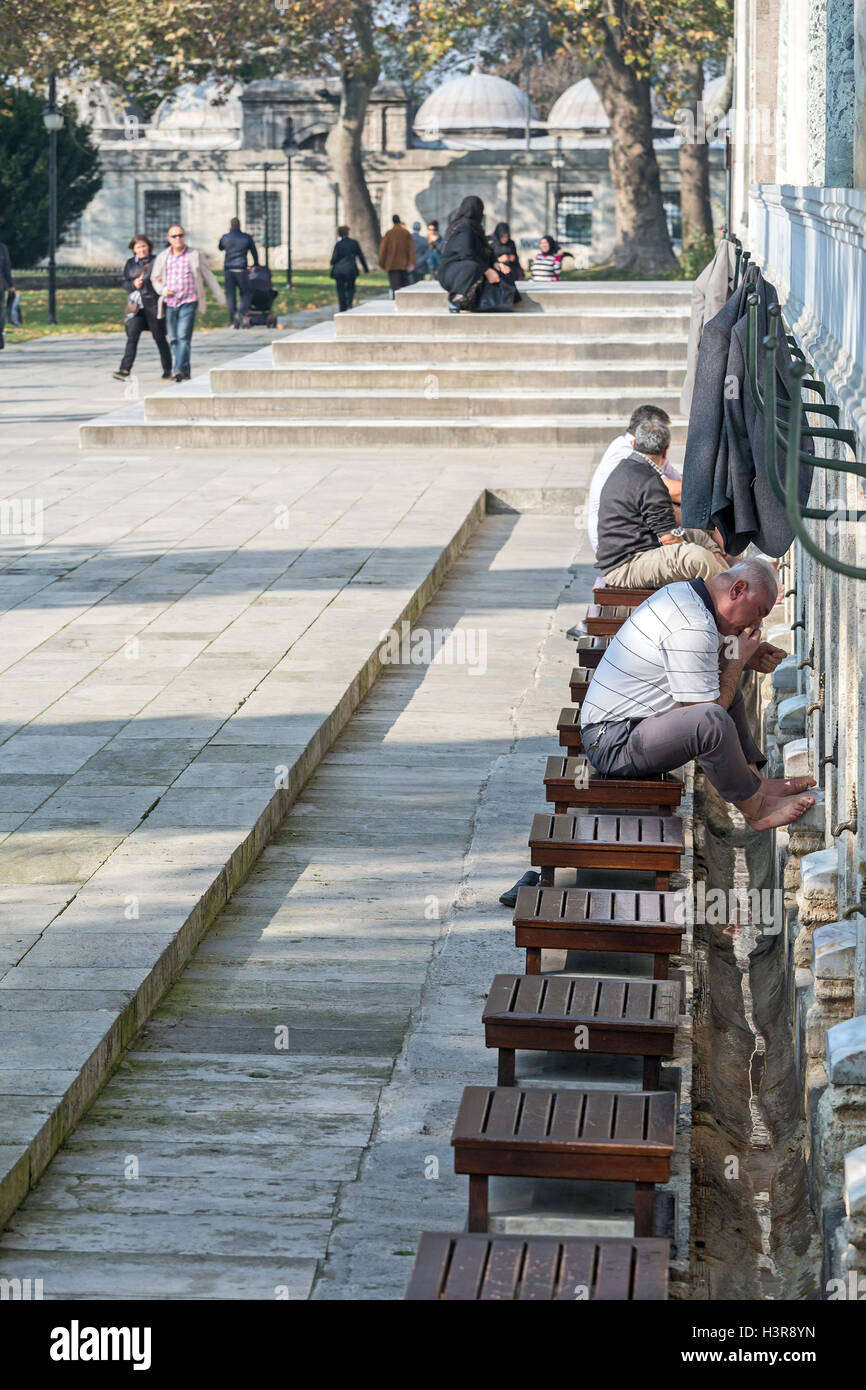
x,y
765,812
785,786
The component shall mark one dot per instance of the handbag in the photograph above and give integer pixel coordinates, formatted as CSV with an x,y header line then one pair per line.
x,y
496,298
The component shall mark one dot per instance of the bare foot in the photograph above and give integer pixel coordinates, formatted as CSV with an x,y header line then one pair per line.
x,y
785,786
778,811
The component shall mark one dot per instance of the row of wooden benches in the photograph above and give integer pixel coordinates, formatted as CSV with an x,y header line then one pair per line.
x,y
607,1135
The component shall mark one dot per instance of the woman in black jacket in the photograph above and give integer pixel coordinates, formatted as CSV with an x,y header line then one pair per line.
x,y
344,267
467,256
505,256
142,309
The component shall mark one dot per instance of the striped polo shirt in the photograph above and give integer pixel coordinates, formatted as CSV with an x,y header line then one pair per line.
x,y
667,653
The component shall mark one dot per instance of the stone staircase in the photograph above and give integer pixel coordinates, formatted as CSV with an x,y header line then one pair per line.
x,y
567,367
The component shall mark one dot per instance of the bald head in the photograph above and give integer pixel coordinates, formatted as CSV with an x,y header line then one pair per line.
x,y
744,594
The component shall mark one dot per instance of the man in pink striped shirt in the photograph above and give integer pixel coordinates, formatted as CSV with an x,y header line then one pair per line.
x,y
178,276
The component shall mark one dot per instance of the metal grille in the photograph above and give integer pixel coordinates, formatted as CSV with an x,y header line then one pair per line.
x,y
161,211
72,235
254,221
574,219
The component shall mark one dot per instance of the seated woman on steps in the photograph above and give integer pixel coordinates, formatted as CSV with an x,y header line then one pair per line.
x,y
467,258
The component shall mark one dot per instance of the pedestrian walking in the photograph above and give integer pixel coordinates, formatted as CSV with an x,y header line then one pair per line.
x,y
422,251
179,275
397,255
142,308
237,245
344,267
6,284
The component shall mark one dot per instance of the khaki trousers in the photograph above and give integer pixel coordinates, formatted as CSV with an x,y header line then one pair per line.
x,y
696,556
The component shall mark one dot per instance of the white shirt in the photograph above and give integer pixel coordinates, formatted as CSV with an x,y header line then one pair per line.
x,y
615,452
667,653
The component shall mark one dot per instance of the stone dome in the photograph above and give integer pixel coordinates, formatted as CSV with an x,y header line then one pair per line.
x,y
190,117
478,103
578,108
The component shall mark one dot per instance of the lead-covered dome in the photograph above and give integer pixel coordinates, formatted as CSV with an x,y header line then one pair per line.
x,y
477,104
578,109
199,116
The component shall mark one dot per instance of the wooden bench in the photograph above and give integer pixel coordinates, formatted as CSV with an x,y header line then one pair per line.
x,y
604,619
593,840
452,1268
603,1136
575,782
629,598
596,919
579,683
582,1013
568,728
590,650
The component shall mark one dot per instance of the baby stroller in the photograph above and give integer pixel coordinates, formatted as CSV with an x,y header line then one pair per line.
x,y
262,296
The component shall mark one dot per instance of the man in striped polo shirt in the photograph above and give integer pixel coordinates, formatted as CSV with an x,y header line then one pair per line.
x,y
668,690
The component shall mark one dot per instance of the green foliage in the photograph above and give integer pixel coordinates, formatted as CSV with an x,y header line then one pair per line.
x,y
697,254
24,175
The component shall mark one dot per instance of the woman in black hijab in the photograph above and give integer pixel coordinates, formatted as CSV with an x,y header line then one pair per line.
x,y
505,256
467,257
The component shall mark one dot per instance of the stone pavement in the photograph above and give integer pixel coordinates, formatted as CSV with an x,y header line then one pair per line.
x,y
184,637
280,1127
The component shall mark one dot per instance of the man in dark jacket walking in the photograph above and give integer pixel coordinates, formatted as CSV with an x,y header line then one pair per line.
x,y
237,245
6,284
344,267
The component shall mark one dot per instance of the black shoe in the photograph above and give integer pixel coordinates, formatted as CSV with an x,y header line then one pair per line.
x,y
2,341
178,376
166,376
454,305
120,375
530,880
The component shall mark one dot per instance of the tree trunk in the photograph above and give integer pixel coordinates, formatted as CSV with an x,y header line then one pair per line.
x,y
695,160
358,77
642,241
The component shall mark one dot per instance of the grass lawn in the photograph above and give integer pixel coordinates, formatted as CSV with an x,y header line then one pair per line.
x,y
101,310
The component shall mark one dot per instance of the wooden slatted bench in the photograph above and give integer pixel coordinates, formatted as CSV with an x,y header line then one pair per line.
x,y
630,598
593,840
597,919
583,1013
606,1136
568,728
579,683
604,619
575,782
590,650
452,1268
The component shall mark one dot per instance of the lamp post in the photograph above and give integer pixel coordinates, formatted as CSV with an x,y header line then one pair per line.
x,y
265,217
53,121
558,161
286,147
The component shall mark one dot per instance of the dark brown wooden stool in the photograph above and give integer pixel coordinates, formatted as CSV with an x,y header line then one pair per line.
x,y
630,598
575,782
596,919
568,728
580,679
590,650
451,1268
644,844
581,1013
604,619
605,1136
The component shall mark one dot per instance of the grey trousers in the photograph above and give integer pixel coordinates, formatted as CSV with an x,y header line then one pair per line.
x,y
721,738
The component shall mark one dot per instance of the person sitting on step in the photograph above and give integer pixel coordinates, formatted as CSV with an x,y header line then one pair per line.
x,y
619,449
640,545
668,690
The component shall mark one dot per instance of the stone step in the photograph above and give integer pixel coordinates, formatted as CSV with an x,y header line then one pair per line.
x,y
130,429
566,349
566,294
475,376
394,405
376,319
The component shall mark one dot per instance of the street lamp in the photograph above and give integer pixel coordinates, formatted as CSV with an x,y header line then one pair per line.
x,y
53,121
558,163
265,227
287,149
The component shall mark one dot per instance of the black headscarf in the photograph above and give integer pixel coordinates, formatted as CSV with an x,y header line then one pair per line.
x,y
501,229
553,245
470,210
